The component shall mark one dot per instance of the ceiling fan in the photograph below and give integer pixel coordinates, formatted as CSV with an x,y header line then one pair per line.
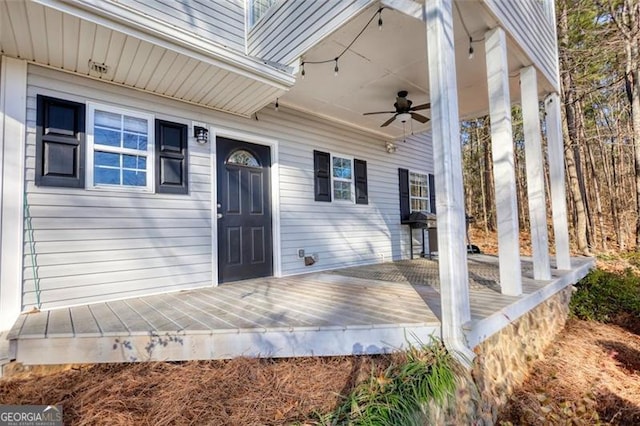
x,y
404,111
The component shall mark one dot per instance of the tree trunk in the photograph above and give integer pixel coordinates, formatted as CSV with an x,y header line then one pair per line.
x,y
572,153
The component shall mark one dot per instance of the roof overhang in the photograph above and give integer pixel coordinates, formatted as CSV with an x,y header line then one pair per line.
x,y
138,52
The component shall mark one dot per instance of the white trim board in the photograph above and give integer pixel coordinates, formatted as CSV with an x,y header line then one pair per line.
x,y
276,343
13,109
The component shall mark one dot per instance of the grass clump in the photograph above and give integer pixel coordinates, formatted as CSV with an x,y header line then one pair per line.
x,y
602,296
400,395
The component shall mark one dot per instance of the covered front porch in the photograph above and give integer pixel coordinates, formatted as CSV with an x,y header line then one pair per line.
x,y
361,310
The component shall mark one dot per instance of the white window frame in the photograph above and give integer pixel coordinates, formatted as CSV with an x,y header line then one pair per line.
x,y
336,179
411,197
91,148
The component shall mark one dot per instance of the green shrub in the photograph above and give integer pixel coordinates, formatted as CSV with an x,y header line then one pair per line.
x,y
400,396
602,295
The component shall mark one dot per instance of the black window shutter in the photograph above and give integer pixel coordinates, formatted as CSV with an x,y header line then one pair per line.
x,y
432,193
60,139
322,175
171,158
405,202
360,175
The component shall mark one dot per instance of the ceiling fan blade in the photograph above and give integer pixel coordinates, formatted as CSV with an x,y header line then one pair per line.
x,y
379,112
389,121
419,107
418,117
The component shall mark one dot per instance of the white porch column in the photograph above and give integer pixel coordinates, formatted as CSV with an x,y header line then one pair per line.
x,y
504,174
535,173
13,107
447,153
555,148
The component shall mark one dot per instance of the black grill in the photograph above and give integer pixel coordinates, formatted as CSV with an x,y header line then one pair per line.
x,y
419,220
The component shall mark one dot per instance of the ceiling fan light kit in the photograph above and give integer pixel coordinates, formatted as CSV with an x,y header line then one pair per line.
x,y
404,117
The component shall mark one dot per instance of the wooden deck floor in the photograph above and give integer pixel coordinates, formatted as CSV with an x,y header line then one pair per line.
x,y
369,309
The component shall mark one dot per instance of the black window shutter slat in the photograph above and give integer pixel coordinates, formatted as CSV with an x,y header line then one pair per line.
x,y
405,207
171,158
360,174
322,175
432,193
60,140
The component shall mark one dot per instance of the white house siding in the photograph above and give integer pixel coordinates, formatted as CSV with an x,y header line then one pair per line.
x,y
220,21
339,233
95,245
99,245
530,23
292,27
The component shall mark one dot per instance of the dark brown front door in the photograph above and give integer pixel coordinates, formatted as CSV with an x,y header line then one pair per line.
x,y
245,248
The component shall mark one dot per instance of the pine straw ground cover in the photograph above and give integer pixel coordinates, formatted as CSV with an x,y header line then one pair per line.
x,y
242,391
590,375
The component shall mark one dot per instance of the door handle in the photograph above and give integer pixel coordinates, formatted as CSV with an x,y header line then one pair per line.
x,y
219,215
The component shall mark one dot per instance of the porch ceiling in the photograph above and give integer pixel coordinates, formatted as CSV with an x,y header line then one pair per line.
x,y
381,63
69,41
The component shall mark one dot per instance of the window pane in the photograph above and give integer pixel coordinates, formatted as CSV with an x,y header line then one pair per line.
x,y
134,178
135,141
342,190
106,159
136,125
106,137
341,168
120,133
419,191
134,162
103,176
108,119
418,205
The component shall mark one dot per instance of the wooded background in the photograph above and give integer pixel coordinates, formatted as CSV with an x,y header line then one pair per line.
x,y
599,45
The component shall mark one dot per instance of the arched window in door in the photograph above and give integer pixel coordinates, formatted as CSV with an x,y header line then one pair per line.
x,y
242,157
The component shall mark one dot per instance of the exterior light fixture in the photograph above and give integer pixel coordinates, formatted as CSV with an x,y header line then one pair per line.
x,y
201,134
390,147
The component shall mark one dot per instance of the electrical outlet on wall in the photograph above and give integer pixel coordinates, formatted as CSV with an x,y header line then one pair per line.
x,y
300,253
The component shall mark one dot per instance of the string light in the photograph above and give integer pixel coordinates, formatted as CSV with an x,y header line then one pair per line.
x,y
277,104
466,30
336,69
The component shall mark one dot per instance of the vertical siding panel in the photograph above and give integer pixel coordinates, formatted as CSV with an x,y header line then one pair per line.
x,y
38,31
54,36
70,32
126,59
85,46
